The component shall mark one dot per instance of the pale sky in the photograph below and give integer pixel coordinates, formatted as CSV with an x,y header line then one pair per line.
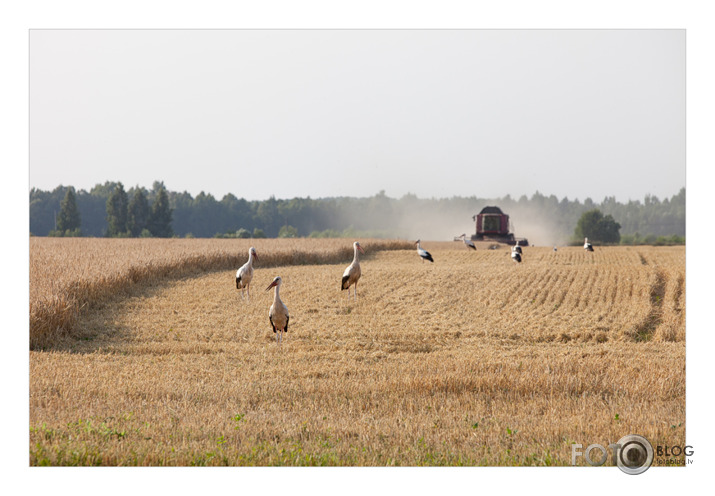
x,y
296,113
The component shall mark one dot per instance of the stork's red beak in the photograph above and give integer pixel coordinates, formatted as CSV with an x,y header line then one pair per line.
x,y
271,285
255,255
360,248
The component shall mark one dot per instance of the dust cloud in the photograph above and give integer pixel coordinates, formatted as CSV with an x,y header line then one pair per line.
x,y
442,223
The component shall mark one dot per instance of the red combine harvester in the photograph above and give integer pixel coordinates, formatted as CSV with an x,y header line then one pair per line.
x,y
493,225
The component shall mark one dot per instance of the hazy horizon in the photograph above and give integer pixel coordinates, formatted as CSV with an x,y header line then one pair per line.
x,y
329,113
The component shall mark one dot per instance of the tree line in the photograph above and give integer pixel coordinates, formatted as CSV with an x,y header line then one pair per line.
x,y
125,217
110,210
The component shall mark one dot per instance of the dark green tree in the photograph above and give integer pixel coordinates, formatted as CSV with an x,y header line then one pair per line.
x,y
68,220
138,213
597,228
268,216
160,217
117,206
610,230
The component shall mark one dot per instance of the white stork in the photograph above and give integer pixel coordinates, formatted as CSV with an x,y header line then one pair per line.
x,y
517,248
352,272
586,245
424,254
515,255
278,314
468,242
245,273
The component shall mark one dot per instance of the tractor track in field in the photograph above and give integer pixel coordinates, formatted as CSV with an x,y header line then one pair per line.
x,y
645,329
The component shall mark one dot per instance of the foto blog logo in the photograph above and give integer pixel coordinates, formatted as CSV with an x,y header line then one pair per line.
x,y
633,454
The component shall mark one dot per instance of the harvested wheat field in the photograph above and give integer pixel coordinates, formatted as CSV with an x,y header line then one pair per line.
x,y
471,360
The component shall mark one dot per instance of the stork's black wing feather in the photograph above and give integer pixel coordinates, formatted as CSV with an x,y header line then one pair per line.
x,y
271,320
287,320
344,284
238,283
428,256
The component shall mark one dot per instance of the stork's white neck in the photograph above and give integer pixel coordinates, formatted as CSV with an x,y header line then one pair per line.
x,y
276,297
355,256
250,258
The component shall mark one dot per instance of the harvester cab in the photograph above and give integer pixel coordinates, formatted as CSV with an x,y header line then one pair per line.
x,y
493,225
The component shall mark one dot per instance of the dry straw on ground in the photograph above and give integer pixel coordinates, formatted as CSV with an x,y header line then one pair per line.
x,y
472,360
69,276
